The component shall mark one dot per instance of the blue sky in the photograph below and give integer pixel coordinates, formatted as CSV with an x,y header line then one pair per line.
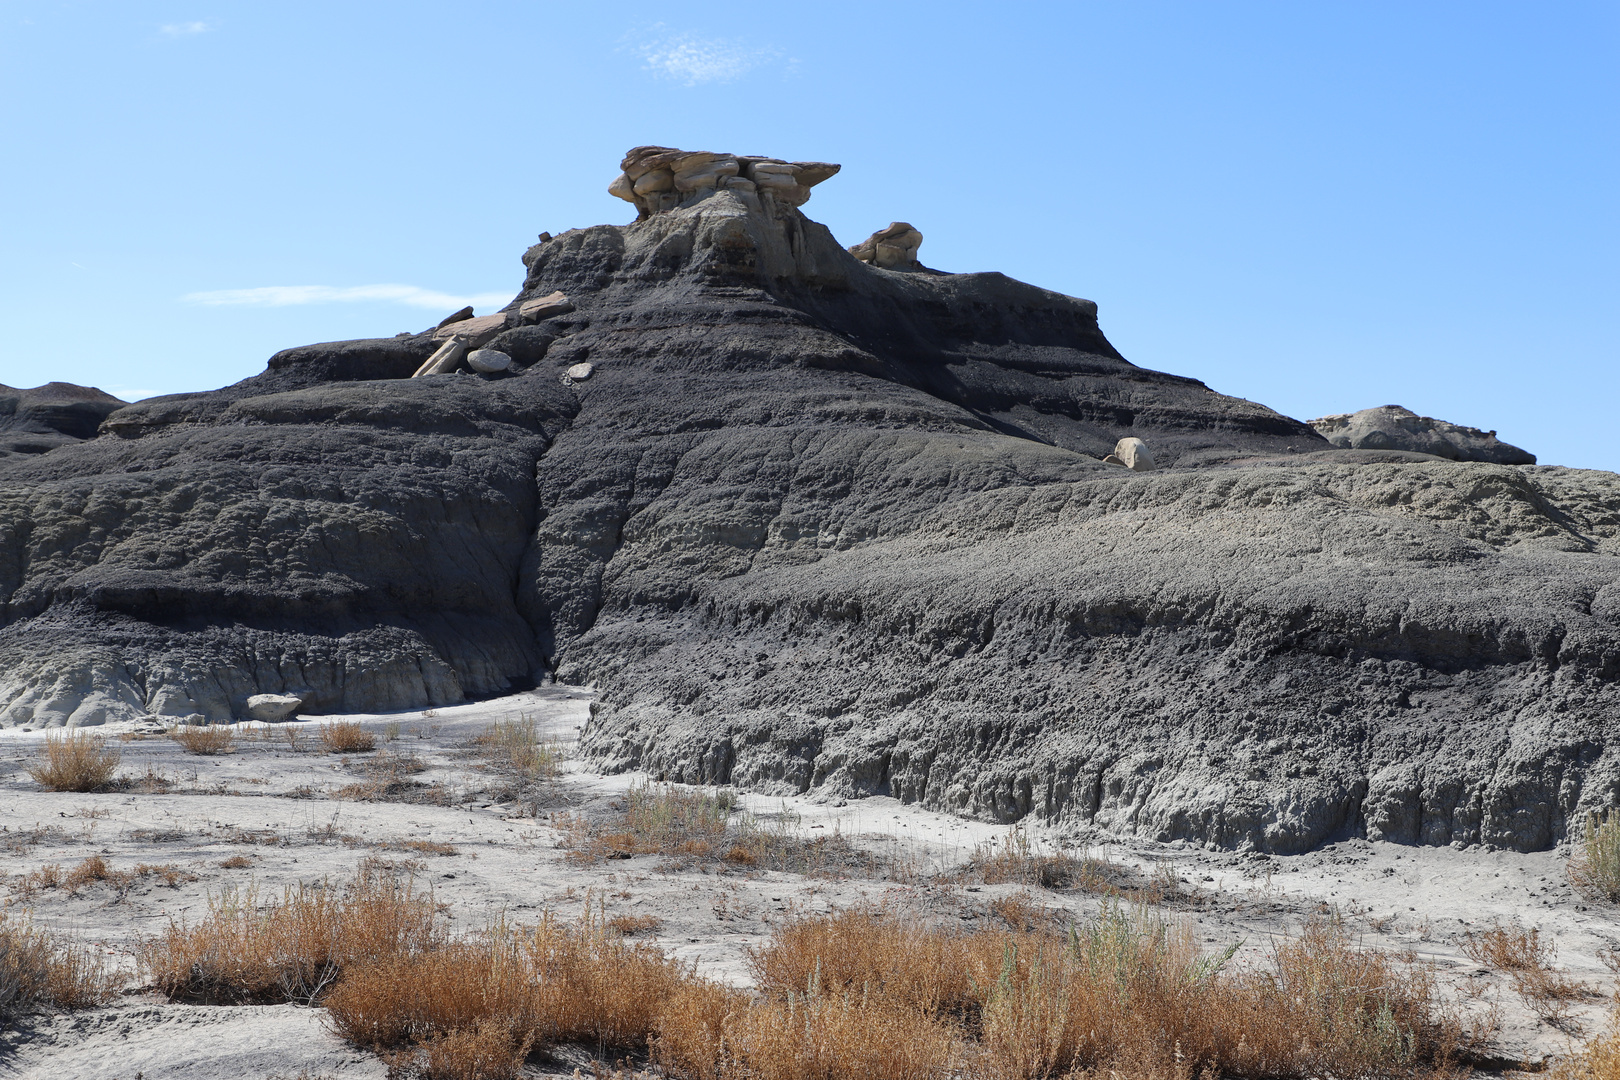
x,y
1321,206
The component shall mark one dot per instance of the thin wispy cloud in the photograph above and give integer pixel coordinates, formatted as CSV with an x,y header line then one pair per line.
x,y
695,60
184,29
291,295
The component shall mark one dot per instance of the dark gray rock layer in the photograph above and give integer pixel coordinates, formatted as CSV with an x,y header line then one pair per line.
x,y
39,420
815,525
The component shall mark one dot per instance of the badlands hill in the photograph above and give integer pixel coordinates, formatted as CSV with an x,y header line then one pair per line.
x,y
820,520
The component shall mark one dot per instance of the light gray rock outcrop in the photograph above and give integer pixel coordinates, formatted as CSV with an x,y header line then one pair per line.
x,y
272,708
488,361
1390,427
1131,453
894,248
660,178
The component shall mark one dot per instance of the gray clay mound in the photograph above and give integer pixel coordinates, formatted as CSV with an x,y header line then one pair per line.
x,y
812,522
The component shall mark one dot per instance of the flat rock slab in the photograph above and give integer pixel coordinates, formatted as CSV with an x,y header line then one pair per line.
x,y
474,331
545,307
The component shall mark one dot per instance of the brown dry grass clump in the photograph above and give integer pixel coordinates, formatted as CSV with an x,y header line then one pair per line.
x,y
346,737
1128,992
844,1037
489,1051
514,751
631,925
94,870
857,994
1019,860
292,950
75,761
1508,949
516,745
204,738
38,969
555,982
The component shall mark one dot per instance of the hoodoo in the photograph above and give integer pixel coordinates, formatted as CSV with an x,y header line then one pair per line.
x,y
815,520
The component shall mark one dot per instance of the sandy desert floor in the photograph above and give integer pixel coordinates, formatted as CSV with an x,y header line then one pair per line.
x,y
272,811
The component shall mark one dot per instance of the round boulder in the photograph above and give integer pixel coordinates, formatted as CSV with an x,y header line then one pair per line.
x,y
488,361
1133,453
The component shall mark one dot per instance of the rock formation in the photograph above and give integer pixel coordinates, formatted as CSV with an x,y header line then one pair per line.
x,y
1390,427
894,248
812,525
1131,453
272,708
660,178
40,420
488,361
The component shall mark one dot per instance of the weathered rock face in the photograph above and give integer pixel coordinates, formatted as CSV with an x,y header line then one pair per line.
x,y
1390,427
814,525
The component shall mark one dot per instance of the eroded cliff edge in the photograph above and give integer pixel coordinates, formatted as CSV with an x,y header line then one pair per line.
x,y
816,523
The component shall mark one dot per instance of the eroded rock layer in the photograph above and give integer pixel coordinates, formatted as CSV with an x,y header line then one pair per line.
x,y
1390,427
812,523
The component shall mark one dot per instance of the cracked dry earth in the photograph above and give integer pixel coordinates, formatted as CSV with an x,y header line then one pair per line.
x,y
270,814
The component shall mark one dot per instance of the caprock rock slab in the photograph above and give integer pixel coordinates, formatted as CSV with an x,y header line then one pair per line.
x,y
1391,427
814,524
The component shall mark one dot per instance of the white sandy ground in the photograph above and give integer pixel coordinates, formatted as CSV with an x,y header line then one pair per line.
x,y
273,805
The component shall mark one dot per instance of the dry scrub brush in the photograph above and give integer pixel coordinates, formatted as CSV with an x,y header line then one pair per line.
x,y
346,737
545,984
291,949
1528,960
204,738
38,969
516,745
1127,991
388,780
661,819
1020,860
1594,868
858,994
75,761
